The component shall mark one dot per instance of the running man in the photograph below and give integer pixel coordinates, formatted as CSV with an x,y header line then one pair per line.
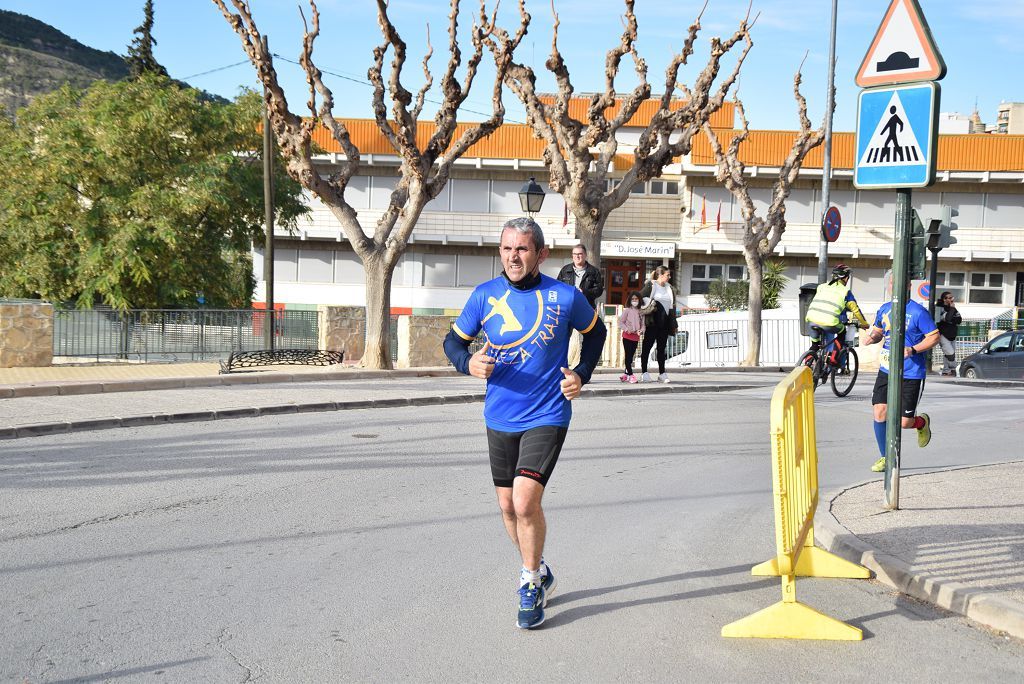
x,y
920,335
527,318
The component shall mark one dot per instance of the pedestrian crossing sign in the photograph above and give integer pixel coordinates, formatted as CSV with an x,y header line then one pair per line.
x,y
897,136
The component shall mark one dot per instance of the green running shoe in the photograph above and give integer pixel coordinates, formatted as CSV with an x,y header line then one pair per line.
x,y
879,465
924,435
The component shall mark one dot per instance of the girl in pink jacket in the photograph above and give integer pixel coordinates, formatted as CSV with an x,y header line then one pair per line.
x,y
631,322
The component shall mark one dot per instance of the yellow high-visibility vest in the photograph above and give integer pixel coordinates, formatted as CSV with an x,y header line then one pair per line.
x,y
829,301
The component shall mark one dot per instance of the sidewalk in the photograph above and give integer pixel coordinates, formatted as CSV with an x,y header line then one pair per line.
x,y
966,555
72,399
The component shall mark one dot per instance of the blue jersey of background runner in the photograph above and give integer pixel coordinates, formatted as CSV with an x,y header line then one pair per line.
x,y
529,334
918,324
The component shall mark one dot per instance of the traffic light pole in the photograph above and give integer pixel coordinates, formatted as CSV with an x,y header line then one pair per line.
x,y
933,275
897,334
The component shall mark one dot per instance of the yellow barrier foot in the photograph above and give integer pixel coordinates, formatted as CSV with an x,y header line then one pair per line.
x,y
815,562
791,621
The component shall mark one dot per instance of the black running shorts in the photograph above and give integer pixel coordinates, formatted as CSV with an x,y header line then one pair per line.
x,y
531,454
911,394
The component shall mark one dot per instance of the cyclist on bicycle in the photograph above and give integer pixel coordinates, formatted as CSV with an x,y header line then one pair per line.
x,y
828,309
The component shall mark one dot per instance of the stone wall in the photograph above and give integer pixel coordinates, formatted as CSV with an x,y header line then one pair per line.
x,y
343,328
420,340
26,333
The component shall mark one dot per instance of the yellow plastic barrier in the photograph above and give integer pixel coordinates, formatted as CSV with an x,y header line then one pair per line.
x,y
795,489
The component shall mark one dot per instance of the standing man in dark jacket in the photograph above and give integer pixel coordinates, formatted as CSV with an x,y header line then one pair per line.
x,y
947,319
586,278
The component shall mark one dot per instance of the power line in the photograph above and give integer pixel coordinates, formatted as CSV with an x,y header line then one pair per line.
x,y
212,71
367,83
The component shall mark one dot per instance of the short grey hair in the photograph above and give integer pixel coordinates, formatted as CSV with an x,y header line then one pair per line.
x,y
524,225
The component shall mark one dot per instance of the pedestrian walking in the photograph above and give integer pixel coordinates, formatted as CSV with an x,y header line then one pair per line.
x,y
526,318
586,278
660,321
631,322
948,320
920,335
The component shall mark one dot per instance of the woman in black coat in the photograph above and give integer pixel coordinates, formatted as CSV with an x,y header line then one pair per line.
x,y
660,304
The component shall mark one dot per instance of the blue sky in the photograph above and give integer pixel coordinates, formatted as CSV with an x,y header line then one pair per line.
x,y
980,43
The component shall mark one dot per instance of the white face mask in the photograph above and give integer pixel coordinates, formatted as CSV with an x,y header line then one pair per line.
x,y
635,304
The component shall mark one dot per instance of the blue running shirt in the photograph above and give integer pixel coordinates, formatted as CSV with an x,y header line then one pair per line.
x,y
529,334
918,324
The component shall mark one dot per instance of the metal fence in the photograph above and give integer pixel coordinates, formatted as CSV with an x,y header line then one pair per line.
x,y
176,334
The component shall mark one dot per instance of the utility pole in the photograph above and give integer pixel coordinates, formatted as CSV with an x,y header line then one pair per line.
x,y
826,171
268,207
897,334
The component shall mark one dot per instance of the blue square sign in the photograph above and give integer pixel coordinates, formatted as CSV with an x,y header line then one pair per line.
x,y
897,136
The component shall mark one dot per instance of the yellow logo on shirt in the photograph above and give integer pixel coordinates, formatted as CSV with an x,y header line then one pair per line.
x,y
500,307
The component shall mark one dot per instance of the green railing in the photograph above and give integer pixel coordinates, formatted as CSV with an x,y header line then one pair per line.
x,y
176,334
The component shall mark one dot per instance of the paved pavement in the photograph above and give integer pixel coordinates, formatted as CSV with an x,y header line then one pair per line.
x,y
966,556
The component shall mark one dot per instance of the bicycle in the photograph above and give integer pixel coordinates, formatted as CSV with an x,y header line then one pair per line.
x,y
843,373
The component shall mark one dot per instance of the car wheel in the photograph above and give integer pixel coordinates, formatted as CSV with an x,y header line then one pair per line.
x,y
971,373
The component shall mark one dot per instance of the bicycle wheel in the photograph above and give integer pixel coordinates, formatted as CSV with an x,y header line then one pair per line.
x,y
845,375
810,359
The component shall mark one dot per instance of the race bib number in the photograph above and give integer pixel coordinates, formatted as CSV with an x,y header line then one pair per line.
x,y
883,358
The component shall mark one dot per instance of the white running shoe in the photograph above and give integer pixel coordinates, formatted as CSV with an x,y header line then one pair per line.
x,y
663,378
646,377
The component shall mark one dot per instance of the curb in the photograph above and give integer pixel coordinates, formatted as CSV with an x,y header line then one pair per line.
x,y
61,427
54,388
73,387
979,605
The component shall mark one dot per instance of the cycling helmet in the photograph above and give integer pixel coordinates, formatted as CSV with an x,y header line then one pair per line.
x,y
841,271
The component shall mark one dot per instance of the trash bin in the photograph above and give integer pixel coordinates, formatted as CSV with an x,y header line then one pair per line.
x,y
807,292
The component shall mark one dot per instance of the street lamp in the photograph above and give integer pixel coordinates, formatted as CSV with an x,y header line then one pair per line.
x,y
531,197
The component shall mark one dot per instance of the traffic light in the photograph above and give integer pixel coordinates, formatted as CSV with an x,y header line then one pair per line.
x,y
934,233
948,226
917,248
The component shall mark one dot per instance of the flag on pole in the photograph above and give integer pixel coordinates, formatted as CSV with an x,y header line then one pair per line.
x,y
718,219
704,210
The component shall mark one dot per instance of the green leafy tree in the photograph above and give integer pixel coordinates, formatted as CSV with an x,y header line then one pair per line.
x,y
773,282
727,295
140,53
134,194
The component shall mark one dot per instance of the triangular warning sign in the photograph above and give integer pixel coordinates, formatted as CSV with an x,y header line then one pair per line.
x,y
893,142
903,50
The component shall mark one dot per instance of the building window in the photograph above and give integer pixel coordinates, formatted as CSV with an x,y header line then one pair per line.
x,y
702,275
638,189
664,187
986,288
612,183
474,269
722,339
438,270
954,283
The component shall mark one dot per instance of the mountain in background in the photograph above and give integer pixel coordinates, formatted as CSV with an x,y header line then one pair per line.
x,y
36,58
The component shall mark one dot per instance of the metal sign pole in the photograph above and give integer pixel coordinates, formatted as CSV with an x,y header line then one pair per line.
x,y
826,171
268,208
897,332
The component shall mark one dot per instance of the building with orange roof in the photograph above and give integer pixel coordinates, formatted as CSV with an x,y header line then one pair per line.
x,y
685,220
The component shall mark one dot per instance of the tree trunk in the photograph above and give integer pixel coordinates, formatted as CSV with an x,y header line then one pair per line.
x,y
589,230
755,269
378,313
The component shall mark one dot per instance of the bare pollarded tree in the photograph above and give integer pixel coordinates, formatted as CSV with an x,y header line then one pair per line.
x,y
578,154
761,234
424,170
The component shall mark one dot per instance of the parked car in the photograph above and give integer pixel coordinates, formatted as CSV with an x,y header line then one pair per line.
x,y
1001,358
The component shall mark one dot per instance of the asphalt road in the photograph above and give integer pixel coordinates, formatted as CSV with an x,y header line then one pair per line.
x,y
366,546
